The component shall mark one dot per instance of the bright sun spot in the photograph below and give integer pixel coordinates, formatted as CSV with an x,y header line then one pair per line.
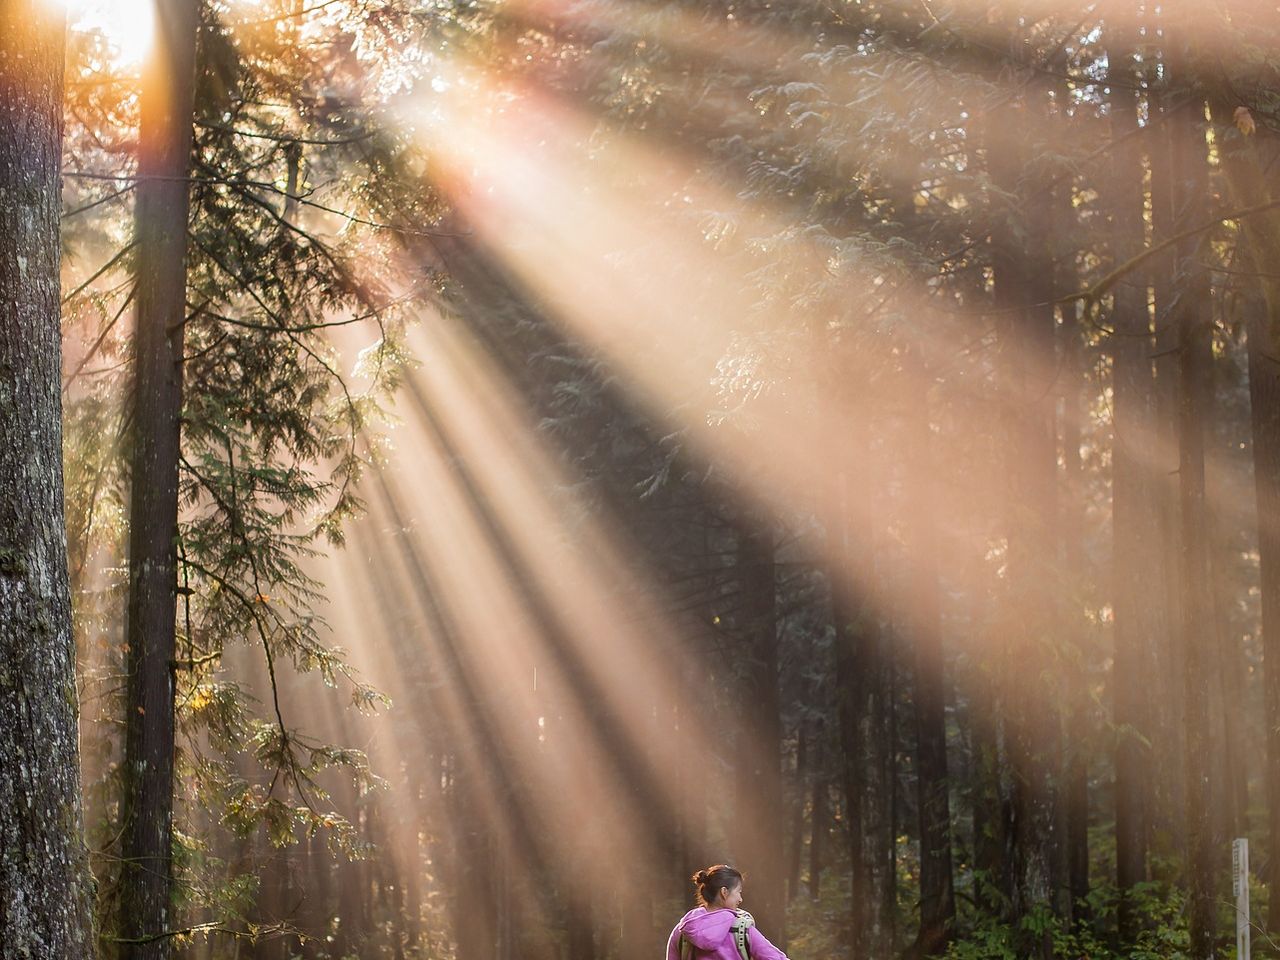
x,y
127,24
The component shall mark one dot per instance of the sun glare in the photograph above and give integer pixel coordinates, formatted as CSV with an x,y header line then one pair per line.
x,y
127,25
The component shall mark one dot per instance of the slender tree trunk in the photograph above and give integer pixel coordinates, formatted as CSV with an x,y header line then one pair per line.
x,y
581,932
797,814
758,760
1232,787
161,231
817,815
316,871
892,732
1024,295
1134,533
924,620
1264,402
413,866
1195,390
45,888
862,680
1165,818
992,817
1075,566
1246,174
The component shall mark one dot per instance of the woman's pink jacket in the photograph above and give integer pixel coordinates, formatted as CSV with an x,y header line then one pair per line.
x,y
710,932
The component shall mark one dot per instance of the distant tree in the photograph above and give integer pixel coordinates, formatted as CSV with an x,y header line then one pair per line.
x,y
161,214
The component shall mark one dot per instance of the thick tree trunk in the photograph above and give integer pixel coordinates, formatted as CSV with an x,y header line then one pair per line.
x,y
45,889
161,232
1134,531
924,620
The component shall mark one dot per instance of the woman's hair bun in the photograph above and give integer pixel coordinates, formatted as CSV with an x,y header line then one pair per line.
x,y
710,880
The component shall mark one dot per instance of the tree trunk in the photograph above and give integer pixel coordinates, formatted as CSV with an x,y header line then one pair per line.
x,y
45,888
1195,389
924,620
817,815
161,230
992,813
1165,817
1077,580
1024,294
758,842
797,814
862,681
1134,533
1264,402
1246,175
578,915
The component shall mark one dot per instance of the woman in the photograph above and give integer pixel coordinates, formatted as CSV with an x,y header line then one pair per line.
x,y
718,929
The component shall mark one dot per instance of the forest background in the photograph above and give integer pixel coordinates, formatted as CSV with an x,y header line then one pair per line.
x,y
518,452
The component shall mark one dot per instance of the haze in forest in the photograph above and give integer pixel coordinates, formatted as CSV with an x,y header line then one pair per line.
x,y
517,454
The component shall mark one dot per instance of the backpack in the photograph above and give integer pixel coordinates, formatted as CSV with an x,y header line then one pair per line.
x,y
743,922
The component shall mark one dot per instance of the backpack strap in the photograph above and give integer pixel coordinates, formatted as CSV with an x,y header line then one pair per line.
x,y
741,924
686,949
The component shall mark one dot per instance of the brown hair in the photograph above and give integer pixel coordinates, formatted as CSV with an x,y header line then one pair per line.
x,y
710,880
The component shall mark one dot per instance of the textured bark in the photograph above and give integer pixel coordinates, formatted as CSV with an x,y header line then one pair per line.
x,y
161,231
45,889
1134,530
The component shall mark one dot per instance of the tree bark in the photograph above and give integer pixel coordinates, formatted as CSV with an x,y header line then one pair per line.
x,y
165,144
45,888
